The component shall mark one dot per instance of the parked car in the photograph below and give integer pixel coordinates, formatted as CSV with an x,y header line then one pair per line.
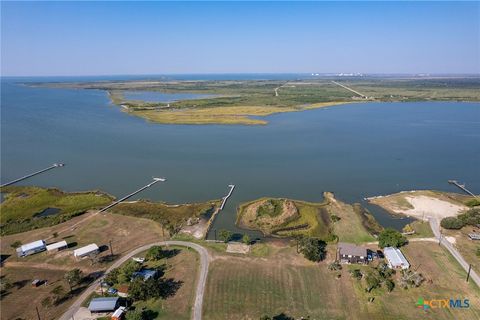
x,y
137,259
112,290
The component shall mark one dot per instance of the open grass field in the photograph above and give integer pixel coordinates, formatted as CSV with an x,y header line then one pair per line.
x,y
20,301
247,287
236,101
23,205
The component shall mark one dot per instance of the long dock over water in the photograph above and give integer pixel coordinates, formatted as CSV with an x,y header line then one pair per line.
x,y
224,200
231,186
53,166
462,187
155,180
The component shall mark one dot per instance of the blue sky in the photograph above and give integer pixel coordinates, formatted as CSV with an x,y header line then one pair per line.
x,y
93,38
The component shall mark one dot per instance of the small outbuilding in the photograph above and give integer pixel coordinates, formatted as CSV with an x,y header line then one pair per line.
x,y
86,251
123,291
108,304
395,258
31,248
57,246
118,314
351,253
474,236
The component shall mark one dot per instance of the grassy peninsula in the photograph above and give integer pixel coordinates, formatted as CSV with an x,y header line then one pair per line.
x,y
328,220
245,102
27,208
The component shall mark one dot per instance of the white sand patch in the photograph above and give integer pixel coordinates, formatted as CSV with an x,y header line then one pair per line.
x,y
452,240
425,207
236,247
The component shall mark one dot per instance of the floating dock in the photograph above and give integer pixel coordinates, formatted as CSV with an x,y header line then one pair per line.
x,y
462,187
53,166
155,180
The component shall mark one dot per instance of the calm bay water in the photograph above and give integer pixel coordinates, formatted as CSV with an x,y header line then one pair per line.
x,y
355,150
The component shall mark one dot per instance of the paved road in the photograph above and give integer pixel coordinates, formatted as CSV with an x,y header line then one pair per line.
x,y
435,225
197,307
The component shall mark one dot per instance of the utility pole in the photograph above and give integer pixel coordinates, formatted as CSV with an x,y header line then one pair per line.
x,y
111,249
469,269
38,313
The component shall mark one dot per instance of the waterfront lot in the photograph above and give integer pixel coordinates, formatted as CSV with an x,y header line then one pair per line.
x,y
249,287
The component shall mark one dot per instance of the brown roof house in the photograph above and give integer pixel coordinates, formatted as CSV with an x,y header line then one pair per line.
x,y
351,253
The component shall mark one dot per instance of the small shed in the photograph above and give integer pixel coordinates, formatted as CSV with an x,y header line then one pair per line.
x,y
57,246
107,304
351,253
31,248
118,314
123,291
474,236
85,251
395,258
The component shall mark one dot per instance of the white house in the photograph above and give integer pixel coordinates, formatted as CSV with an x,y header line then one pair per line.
x,y
31,248
57,246
85,251
395,258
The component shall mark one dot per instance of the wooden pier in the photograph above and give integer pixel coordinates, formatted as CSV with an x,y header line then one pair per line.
x,y
212,218
155,180
55,165
462,187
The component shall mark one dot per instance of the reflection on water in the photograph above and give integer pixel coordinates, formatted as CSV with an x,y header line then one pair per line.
x,y
355,151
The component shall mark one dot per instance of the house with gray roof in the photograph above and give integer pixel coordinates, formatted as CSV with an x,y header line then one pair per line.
x,y
351,253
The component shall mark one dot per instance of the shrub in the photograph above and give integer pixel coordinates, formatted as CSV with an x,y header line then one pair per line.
x,y
451,223
390,285
312,248
225,235
391,238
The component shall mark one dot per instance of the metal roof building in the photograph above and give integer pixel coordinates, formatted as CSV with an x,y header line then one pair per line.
x,y
57,245
145,274
103,304
85,251
31,248
395,258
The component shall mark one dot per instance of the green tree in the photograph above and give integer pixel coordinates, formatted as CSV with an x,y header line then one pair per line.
x,y
58,293
134,315
127,271
155,253
391,238
390,285
246,239
73,277
46,302
372,282
112,276
312,248
452,223
225,235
